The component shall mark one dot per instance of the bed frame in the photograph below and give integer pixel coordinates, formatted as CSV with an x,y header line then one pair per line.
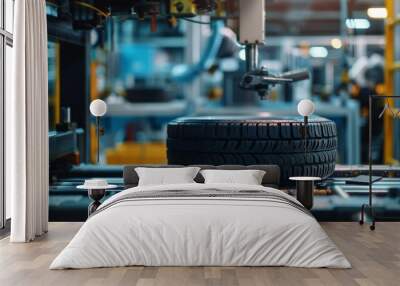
x,y
271,177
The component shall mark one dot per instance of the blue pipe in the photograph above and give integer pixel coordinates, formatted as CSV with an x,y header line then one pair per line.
x,y
189,73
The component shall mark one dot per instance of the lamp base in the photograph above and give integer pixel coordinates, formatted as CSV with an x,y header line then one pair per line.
x,y
305,193
96,195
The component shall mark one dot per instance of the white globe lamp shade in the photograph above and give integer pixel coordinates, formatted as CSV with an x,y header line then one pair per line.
x,y
305,107
98,107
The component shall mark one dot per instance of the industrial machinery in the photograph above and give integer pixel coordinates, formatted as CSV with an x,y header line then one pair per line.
x,y
261,80
88,14
246,140
252,35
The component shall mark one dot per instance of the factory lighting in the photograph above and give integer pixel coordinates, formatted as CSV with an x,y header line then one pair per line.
x,y
242,54
361,24
336,43
318,52
377,12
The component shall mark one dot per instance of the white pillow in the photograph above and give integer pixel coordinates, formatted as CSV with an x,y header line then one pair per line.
x,y
166,176
248,177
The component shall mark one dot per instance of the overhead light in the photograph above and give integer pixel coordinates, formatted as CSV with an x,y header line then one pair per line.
x,y
377,12
318,52
336,43
242,54
361,24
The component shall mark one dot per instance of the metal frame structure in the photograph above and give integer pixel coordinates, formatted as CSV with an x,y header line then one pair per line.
x,y
6,39
369,208
392,65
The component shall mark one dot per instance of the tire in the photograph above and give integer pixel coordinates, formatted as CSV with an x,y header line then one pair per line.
x,y
252,141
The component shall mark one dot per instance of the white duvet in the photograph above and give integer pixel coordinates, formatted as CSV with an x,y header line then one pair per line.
x,y
200,231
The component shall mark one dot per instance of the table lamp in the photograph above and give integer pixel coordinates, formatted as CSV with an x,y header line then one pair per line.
x,y
305,184
98,108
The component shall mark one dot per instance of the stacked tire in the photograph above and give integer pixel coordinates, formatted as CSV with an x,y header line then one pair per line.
x,y
252,141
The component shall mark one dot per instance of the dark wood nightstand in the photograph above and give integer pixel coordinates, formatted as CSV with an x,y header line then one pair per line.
x,y
96,189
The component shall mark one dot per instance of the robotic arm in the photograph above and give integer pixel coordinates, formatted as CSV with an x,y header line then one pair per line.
x,y
252,35
261,80
88,14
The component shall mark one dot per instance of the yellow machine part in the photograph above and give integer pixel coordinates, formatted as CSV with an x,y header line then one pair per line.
x,y
220,9
137,153
94,94
185,8
391,66
55,97
93,143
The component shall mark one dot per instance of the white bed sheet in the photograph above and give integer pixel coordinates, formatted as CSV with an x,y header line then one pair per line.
x,y
202,232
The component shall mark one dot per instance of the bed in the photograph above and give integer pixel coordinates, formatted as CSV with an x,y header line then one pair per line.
x,y
197,224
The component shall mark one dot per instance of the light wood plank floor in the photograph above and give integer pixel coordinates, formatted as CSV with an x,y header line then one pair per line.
x,y
375,257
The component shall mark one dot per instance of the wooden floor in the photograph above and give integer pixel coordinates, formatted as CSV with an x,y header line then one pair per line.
x,y
375,257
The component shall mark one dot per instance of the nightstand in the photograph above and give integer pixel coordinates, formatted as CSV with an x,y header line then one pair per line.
x,y
96,191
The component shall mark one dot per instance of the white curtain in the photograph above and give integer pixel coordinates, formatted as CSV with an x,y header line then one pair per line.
x,y
27,124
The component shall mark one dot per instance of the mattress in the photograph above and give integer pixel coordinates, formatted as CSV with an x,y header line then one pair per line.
x,y
201,225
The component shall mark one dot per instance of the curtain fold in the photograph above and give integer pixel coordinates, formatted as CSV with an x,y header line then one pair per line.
x,y
27,122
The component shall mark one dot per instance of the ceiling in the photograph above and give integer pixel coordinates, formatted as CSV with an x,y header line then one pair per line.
x,y
283,17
